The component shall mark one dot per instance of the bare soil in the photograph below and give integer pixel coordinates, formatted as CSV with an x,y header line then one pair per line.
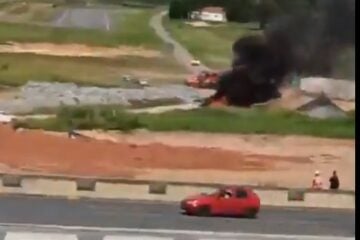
x,y
307,154
8,93
77,50
35,150
221,158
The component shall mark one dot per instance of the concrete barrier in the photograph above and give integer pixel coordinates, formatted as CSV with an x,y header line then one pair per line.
x,y
11,181
69,187
85,184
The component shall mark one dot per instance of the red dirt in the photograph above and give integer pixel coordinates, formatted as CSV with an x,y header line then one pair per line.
x,y
36,151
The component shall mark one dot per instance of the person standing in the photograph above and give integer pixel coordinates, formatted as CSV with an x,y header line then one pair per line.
x,y
334,181
317,181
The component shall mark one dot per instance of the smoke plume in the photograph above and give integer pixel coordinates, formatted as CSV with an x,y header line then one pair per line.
x,y
305,43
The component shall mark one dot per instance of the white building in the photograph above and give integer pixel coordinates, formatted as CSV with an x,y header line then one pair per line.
x,y
209,14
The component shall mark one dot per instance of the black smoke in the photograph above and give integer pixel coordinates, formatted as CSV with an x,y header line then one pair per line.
x,y
307,43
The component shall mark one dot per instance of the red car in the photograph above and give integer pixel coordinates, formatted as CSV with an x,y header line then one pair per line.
x,y
228,201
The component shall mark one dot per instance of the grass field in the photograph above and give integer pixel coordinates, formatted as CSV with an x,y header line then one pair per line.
x,y
248,121
30,12
132,29
212,45
17,69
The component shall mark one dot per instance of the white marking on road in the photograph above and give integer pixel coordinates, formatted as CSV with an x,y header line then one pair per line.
x,y
62,17
184,232
107,21
129,237
38,236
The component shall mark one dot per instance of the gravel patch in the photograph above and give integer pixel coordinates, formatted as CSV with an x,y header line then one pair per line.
x,y
43,95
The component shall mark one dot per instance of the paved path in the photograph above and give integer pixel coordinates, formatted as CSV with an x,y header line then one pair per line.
x,y
84,18
163,219
181,54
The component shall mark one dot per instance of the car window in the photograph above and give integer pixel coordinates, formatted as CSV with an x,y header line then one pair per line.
x,y
228,194
241,193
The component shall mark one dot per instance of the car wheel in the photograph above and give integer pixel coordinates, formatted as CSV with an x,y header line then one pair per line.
x,y
251,213
204,211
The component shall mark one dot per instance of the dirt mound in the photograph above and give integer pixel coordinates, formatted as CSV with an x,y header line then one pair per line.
x,y
77,50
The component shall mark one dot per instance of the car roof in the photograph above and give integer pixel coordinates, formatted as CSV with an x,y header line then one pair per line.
x,y
234,188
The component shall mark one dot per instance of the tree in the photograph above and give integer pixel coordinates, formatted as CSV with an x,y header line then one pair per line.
x,y
175,9
266,10
240,10
296,6
179,9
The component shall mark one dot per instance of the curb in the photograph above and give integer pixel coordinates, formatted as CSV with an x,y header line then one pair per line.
x,y
108,188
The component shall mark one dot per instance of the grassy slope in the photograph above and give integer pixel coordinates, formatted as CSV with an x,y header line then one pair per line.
x,y
212,45
132,30
202,120
17,69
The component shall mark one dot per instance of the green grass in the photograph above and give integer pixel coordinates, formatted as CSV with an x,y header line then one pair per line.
x,y
17,69
202,120
136,3
132,29
4,4
212,45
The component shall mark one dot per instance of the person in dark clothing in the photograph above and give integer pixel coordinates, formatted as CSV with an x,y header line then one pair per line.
x,y
334,181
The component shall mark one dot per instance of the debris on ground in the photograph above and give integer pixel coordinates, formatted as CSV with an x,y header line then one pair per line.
x,y
322,107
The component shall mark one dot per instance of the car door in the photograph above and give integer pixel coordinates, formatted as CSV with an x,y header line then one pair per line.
x,y
228,203
231,205
221,205
241,201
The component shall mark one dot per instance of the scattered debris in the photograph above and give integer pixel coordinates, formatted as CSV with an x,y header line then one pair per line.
x,y
322,107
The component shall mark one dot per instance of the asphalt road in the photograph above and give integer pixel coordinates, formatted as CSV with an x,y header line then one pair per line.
x,y
152,215
94,18
181,54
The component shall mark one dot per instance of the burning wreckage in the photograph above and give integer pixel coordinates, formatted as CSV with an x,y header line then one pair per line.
x,y
307,44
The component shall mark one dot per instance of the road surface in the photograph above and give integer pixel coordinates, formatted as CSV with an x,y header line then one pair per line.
x,y
94,18
181,54
95,219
